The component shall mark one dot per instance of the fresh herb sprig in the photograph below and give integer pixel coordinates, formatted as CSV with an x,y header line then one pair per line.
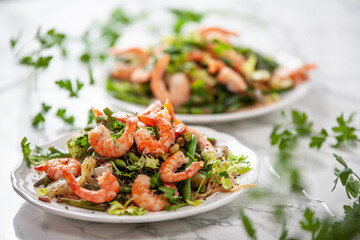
x,y
67,85
285,135
248,225
40,117
184,16
348,178
39,155
61,113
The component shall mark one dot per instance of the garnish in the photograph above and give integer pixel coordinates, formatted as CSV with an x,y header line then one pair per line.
x,y
40,117
61,113
67,85
183,17
116,208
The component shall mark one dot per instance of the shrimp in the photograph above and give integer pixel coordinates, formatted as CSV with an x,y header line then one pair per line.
x,y
136,74
140,53
54,167
146,143
179,88
233,80
97,113
297,75
109,187
172,163
213,64
143,197
220,34
122,71
235,58
179,85
205,145
104,145
140,75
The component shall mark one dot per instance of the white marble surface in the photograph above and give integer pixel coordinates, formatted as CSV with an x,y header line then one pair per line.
x,y
324,32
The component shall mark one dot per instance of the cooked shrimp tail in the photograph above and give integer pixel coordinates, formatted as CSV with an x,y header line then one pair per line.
x,y
109,187
143,197
171,164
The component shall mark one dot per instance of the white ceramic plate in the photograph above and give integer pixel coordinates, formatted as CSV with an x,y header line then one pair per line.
x,y
286,99
23,179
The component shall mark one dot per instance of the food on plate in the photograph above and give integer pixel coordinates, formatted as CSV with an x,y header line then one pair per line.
x,y
129,165
202,73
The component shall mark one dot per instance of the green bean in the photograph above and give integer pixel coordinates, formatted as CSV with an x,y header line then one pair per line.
x,y
203,189
133,157
83,204
120,163
99,119
125,189
43,181
191,152
108,113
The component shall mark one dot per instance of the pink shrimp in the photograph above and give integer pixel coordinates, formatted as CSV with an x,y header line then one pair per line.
x,y
235,58
140,53
220,34
297,75
143,197
233,80
205,145
54,167
213,64
172,163
146,143
179,85
97,113
104,145
109,187
122,71
137,73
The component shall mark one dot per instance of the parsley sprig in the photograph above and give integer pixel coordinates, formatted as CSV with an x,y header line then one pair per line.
x,y
61,113
184,16
286,134
40,117
348,178
67,85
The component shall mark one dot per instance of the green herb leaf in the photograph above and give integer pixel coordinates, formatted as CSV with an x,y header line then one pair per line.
x,y
169,193
344,133
155,180
116,208
14,41
67,85
317,141
310,223
348,179
247,225
91,117
183,17
25,147
61,113
40,117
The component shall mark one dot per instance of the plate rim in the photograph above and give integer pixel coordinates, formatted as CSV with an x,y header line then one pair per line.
x,y
134,219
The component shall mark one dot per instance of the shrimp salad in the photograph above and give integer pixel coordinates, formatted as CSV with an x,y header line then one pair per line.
x,y
201,73
130,165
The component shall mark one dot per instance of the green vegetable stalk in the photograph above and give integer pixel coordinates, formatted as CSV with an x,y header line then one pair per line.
x,y
187,185
83,204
